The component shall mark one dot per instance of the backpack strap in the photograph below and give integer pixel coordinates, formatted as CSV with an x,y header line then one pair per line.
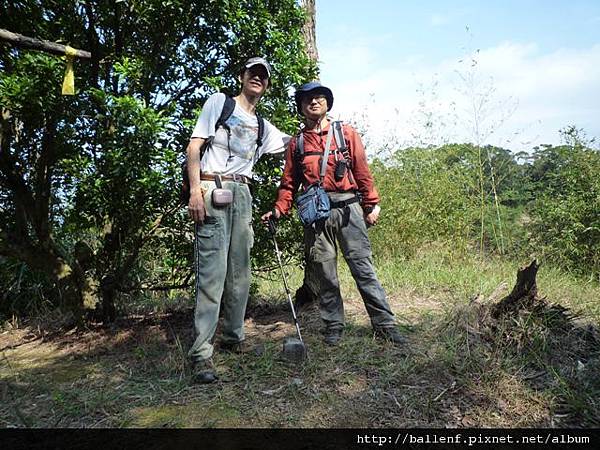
x,y
341,141
341,145
326,155
339,136
299,156
226,113
260,135
300,145
261,131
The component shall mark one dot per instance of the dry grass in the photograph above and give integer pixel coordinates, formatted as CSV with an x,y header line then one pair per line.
x,y
461,369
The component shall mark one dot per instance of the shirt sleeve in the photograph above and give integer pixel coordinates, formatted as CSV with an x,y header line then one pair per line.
x,y
360,169
288,185
274,141
205,126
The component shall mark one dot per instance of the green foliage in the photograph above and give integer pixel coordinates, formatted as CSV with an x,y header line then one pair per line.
x,y
547,206
100,171
88,183
433,194
289,230
564,216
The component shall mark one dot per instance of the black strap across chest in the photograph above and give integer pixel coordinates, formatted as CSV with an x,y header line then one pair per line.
x,y
338,134
340,142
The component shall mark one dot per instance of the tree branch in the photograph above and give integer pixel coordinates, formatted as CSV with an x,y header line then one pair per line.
x,y
18,40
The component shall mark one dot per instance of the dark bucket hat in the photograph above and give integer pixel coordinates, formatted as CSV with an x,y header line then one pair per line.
x,y
314,87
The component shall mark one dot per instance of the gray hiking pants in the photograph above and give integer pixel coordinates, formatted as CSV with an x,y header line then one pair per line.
x,y
222,262
346,227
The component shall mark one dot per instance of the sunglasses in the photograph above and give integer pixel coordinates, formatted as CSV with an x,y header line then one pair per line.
x,y
258,71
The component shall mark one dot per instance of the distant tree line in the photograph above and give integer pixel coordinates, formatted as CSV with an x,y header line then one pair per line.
x,y
549,201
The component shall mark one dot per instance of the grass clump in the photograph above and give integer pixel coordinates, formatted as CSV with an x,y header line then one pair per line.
x,y
463,367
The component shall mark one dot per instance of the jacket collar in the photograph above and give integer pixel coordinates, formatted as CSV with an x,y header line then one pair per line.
x,y
324,131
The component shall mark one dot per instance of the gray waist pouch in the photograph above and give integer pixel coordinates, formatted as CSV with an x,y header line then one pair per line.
x,y
220,196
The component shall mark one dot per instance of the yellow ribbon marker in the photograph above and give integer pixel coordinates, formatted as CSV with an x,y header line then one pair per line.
x,y
68,87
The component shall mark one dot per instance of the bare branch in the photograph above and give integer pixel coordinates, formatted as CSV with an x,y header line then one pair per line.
x,y
19,40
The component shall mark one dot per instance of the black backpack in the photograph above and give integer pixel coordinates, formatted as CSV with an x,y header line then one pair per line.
x,y
228,107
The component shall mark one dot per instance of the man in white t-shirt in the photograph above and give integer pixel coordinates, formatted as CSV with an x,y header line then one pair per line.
x,y
224,234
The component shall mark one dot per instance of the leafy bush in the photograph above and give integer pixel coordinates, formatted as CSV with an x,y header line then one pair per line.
x,y
423,199
564,222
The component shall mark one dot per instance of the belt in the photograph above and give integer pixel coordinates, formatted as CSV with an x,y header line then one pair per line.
x,y
343,203
234,177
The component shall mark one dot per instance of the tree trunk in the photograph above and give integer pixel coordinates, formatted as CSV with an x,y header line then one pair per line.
x,y
309,29
29,237
108,289
306,295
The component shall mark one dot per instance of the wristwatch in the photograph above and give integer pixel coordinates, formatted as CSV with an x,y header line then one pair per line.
x,y
369,209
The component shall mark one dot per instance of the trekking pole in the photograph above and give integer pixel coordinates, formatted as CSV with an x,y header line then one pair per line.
x,y
272,230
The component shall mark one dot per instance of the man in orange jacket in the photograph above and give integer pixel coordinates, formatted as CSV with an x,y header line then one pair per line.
x,y
354,205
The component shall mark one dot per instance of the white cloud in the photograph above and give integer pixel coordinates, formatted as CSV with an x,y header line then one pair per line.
x,y
552,90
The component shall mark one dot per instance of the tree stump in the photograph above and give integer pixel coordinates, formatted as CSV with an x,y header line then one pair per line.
x,y
523,294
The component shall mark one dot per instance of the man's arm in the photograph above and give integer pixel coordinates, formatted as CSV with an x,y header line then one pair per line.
x,y
275,142
196,204
364,179
289,181
287,186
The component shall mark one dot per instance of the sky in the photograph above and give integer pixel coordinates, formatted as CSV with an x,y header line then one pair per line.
x,y
507,73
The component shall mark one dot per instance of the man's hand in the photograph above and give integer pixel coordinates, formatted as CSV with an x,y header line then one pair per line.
x,y
372,217
266,216
196,207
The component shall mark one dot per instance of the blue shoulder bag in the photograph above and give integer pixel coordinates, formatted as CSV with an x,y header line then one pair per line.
x,y
313,204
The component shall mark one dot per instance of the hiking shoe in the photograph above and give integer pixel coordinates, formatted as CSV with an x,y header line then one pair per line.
x,y
333,336
236,347
203,372
390,334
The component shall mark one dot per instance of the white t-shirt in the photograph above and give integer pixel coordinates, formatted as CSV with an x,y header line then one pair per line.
x,y
239,156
